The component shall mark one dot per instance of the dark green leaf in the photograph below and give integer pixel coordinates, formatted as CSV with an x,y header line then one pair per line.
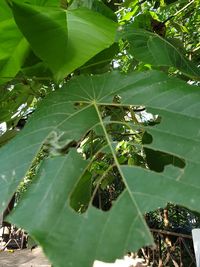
x,y
102,61
65,234
145,190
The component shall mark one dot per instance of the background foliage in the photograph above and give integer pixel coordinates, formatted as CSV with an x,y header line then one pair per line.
x,y
109,94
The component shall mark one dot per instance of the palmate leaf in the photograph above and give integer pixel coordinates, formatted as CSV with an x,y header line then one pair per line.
x,y
61,38
151,48
65,234
45,211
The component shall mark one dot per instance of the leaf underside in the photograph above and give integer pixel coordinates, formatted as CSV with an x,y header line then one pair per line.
x,y
91,235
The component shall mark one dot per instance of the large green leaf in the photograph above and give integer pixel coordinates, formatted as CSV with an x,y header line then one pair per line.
x,y
87,29
92,235
64,49
5,12
153,49
13,50
60,114
44,2
45,28
50,3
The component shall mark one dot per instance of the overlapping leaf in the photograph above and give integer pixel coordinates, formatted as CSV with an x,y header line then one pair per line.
x,y
94,234
45,28
153,49
13,50
61,38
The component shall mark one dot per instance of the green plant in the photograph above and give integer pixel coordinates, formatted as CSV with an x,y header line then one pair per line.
x,y
94,129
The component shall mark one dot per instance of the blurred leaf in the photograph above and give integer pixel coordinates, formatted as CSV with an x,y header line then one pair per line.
x,y
95,5
101,62
13,50
11,101
170,1
37,70
153,49
50,3
5,12
7,136
107,181
142,21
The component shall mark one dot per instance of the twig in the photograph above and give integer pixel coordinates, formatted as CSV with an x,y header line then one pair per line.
x,y
183,8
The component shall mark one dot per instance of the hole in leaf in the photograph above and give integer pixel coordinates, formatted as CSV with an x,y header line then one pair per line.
x,y
157,160
108,191
100,185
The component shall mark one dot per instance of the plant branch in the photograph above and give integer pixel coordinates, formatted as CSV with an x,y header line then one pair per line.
x,y
179,11
183,8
